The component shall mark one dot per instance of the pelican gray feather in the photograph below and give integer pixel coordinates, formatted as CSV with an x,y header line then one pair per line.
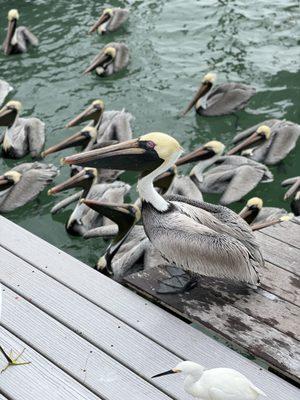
x,y
17,38
23,135
23,184
5,88
112,58
223,99
110,20
293,193
283,139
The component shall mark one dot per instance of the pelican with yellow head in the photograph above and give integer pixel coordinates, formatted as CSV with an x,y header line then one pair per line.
x,y
110,20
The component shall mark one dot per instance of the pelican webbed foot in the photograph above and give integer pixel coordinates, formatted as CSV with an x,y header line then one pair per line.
x,y
178,281
12,361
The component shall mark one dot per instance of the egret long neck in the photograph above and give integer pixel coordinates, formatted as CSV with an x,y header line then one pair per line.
x,y
145,185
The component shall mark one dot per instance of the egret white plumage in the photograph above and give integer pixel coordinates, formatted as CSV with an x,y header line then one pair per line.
x,y
196,236
224,99
110,20
23,135
112,58
17,38
215,383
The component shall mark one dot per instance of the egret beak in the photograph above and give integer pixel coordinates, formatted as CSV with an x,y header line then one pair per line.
x,y
204,88
93,112
83,179
7,116
78,139
5,183
254,138
104,18
101,60
171,371
201,153
7,47
132,155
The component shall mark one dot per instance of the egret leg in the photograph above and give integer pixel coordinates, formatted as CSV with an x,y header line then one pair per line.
x,y
12,361
178,281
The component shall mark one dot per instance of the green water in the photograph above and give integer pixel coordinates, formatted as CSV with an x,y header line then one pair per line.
x,y
172,43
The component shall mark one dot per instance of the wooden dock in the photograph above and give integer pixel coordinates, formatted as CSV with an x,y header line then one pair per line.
x,y
88,337
263,323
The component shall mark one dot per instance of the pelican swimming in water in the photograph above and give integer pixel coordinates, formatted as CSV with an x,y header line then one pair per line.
x,y
23,135
215,383
17,38
226,98
5,88
110,20
112,58
23,184
274,139
82,218
198,237
293,193
259,217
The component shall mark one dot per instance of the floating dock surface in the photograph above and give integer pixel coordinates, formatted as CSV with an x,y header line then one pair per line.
x,y
88,337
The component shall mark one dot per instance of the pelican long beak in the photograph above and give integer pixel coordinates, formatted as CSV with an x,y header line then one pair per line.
x,y
102,60
292,190
78,139
170,371
5,183
103,18
91,113
83,179
254,138
165,180
204,88
7,116
201,153
132,155
10,33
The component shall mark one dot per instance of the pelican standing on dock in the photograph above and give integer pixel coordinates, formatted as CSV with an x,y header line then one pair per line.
x,y
83,218
215,383
112,58
110,20
224,99
17,38
198,237
23,135
23,184
5,88
273,139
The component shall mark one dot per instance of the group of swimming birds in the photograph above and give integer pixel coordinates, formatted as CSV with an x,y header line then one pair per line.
x,y
179,229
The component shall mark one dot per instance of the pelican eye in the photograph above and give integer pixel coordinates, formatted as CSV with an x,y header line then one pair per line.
x,y
150,144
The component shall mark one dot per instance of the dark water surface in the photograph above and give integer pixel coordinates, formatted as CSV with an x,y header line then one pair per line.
x,y
172,43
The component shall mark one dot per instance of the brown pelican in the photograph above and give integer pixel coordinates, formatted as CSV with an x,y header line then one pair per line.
x,y
224,99
5,88
23,135
260,217
215,383
112,58
17,39
82,218
23,183
233,176
110,20
274,139
294,193
199,237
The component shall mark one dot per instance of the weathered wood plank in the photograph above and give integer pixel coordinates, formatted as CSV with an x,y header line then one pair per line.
x,y
108,333
39,380
139,313
278,253
239,315
76,356
287,232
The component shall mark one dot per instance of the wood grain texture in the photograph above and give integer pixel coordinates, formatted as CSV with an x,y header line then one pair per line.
x,y
286,232
38,380
279,253
229,313
114,337
76,356
145,317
